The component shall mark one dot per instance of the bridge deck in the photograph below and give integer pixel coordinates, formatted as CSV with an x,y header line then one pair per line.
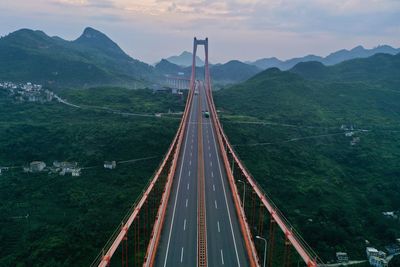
x,y
178,244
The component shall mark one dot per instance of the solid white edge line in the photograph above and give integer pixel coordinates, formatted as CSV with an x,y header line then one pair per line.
x,y
177,192
226,200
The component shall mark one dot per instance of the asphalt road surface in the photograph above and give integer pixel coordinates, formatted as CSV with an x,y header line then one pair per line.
x,y
178,243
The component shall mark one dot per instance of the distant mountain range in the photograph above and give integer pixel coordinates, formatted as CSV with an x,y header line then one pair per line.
x,y
382,69
331,59
92,59
231,72
185,60
236,71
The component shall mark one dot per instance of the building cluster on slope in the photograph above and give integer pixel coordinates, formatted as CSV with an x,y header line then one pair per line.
x,y
378,258
27,92
62,168
350,131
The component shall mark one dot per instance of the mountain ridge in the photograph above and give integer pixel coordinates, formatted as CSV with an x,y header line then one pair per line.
x,y
332,59
320,139
91,59
185,59
383,69
230,72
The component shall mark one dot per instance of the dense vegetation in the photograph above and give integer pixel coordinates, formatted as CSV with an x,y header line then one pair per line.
x,y
395,262
381,70
92,59
333,191
70,218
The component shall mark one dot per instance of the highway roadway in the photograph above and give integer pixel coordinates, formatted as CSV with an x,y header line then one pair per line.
x,y
178,243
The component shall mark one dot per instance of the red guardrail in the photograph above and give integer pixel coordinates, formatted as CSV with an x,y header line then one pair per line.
x,y
304,250
245,229
116,239
156,233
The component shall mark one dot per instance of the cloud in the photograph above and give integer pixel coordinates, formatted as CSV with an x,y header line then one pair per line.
x,y
249,28
86,3
107,18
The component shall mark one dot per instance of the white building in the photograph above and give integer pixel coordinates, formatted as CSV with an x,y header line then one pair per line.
x,y
76,172
378,262
37,166
389,214
376,258
349,134
342,257
110,164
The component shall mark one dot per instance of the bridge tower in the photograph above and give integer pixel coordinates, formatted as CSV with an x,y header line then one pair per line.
x,y
197,42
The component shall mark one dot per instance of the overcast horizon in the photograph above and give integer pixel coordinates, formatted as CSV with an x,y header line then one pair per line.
x,y
243,30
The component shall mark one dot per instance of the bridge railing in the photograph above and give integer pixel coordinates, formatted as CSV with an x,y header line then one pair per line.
x,y
151,202
251,251
291,235
156,232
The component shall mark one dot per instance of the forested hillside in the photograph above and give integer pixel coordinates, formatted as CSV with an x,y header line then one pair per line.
x,y
326,149
52,220
92,59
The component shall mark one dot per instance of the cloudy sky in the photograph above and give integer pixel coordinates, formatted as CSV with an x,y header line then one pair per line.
x,y
237,29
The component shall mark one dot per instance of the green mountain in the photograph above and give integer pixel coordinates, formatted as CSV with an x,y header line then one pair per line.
x,y
380,69
326,149
166,67
185,60
233,71
59,208
93,58
331,59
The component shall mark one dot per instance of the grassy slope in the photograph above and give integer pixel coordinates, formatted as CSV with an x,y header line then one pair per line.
x,y
70,218
333,192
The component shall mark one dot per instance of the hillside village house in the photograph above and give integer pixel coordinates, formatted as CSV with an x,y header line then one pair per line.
x,y
342,257
376,258
110,164
37,166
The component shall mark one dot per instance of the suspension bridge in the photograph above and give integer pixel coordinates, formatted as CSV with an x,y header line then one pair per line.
x,y
202,207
